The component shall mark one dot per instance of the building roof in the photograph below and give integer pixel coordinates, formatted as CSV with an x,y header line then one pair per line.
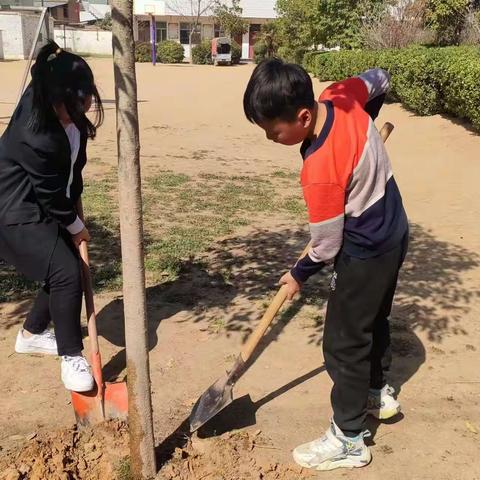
x,y
251,8
19,4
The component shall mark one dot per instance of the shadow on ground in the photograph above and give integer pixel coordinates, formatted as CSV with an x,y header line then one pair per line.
x,y
431,298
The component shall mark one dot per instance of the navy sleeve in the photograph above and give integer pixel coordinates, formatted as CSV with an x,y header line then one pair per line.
x,y
305,268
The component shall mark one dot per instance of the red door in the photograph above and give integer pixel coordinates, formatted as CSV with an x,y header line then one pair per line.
x,y
255,29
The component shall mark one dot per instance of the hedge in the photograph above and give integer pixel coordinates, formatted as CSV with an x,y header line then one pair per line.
x,y
202,53
170,52
426,80
167,52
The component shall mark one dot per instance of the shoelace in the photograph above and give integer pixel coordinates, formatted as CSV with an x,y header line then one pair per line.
x,y
49,335
79,364
390,390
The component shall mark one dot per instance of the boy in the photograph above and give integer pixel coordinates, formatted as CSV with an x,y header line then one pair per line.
x,y
357,221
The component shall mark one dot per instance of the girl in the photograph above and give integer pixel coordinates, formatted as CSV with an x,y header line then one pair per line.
x,y
42,154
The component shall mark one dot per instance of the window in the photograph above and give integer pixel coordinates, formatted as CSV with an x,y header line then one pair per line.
x,y
65,11
185,29
219,32
184,33
207,31
161,31
173,31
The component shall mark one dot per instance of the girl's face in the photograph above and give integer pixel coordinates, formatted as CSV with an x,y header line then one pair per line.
x,y
63,115
88,103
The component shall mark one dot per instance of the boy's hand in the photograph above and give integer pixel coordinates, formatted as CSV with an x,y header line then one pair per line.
x,y
293,287
80,237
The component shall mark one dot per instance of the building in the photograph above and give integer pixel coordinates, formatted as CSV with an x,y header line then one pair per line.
x,y
67,11
173,20
18,26
93,10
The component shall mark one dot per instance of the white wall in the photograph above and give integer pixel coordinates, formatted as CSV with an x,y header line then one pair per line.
x,y
17,30
245,45
97,42
11,27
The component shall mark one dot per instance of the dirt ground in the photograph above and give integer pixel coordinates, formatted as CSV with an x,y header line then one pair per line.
x,y
192,124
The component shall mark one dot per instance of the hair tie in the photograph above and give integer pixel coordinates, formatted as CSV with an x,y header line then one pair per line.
x,y
53,56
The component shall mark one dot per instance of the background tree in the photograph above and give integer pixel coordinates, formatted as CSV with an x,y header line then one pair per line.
x,y
447,19
230,18
307,24
396,25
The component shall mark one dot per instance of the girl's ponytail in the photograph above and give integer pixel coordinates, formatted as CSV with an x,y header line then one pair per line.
x,y
40,81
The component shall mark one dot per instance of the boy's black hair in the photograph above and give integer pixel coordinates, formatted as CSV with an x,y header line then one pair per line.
x,y
60,77
277,90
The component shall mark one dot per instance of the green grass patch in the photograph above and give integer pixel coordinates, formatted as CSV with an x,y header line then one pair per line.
x,y
183,216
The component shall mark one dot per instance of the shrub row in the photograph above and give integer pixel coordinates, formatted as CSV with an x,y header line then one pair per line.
x,y
426,80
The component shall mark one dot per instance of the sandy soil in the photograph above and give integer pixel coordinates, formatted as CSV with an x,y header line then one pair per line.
x,y
192,121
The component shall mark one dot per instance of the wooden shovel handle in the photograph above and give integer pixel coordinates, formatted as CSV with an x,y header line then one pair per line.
x,y
281,295
90,306
267,318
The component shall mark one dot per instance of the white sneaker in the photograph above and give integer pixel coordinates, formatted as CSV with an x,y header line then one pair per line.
x,y
334,450
382,404
38,343
76,375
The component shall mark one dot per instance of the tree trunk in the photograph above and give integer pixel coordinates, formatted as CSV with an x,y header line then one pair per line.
x,y
142,451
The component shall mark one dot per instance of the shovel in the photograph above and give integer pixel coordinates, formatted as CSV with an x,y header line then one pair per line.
x,y
107,400
220,394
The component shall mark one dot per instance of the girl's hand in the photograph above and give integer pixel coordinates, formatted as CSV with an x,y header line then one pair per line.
x,y
293,287
80,237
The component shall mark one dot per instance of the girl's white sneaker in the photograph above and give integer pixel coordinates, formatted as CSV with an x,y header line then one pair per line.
x,y
76,374
44,342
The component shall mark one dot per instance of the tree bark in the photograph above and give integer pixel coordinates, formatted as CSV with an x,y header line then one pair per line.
x,y
142,445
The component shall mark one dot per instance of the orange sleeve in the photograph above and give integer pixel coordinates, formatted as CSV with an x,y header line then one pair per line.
x,y
352,89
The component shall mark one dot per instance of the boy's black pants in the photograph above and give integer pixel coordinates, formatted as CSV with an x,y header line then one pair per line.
x,y
356,342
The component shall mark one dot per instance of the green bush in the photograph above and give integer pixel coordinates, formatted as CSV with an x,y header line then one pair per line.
x,y
291,55
259,51
202,53
236,53
426,80
143,52
170,52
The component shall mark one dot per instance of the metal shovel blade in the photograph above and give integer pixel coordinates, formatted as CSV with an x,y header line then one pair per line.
x,y
88,407
93,407
116,401
216,398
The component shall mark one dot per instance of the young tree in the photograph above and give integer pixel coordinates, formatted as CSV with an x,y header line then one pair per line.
x,y
194,9
230,18
142,453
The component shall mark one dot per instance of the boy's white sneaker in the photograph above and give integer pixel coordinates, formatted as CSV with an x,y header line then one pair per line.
x,y
76,374
334,450
44,342
382,404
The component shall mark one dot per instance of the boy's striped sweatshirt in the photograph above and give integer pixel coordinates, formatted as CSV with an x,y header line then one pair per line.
x,y
352,198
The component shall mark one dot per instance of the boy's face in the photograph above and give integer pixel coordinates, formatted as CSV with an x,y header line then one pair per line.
x,y
289,132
